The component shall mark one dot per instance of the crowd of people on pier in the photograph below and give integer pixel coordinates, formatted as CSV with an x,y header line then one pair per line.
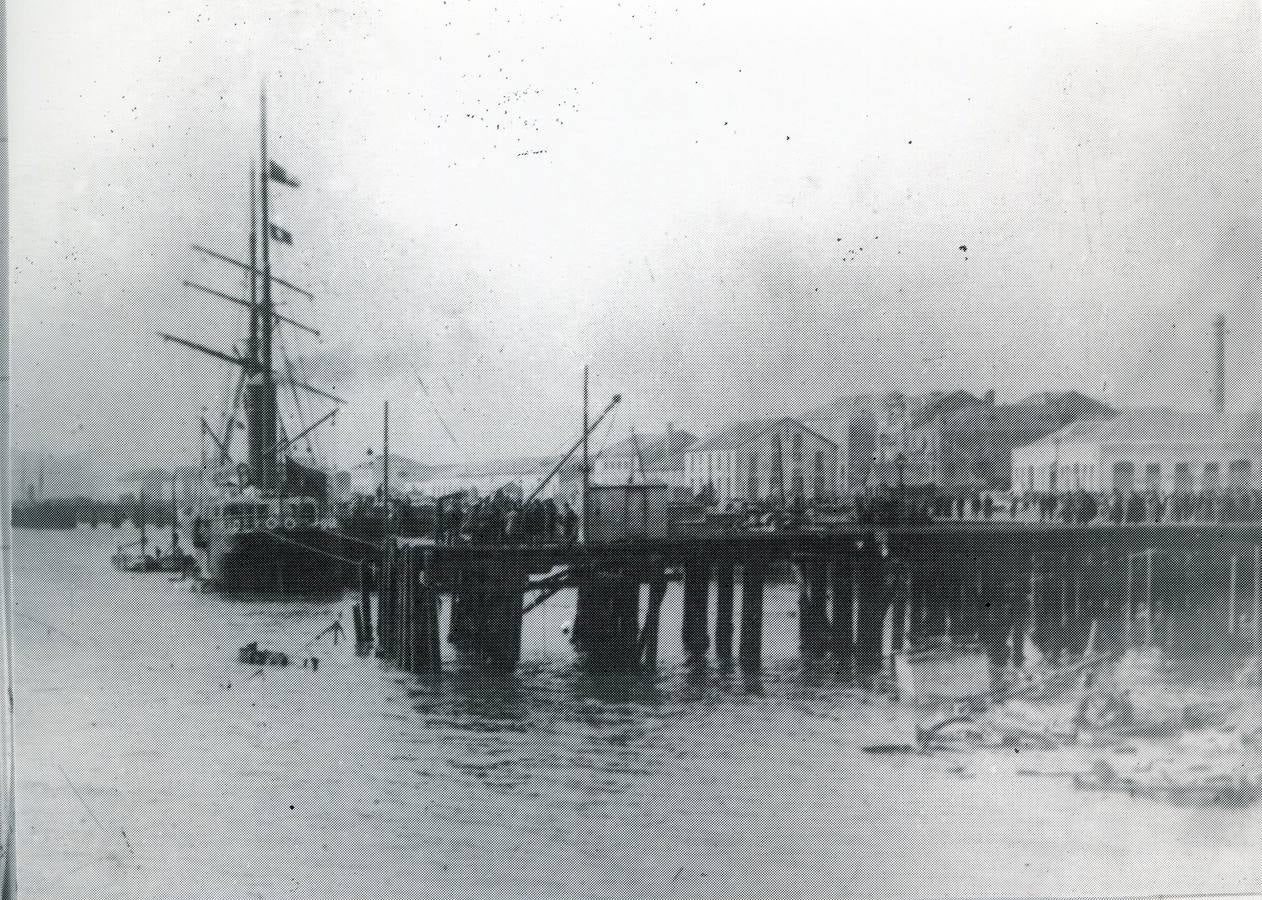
x,y
500,518
1079,507
505,518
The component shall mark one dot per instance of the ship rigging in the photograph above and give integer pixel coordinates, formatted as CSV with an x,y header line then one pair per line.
x,y
268,524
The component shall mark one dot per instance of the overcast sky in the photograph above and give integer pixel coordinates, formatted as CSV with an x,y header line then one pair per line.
x,y
726,208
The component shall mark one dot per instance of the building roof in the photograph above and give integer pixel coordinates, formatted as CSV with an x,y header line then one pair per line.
x,y
658,452
743,433
940,406
1039,415
1161,426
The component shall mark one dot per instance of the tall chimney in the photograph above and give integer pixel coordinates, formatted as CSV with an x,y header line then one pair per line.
x,y
1220,365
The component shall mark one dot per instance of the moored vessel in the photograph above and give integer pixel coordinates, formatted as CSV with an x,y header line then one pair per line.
x,y
267,524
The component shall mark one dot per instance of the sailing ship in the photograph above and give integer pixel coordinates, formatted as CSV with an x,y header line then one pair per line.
x,y
267,525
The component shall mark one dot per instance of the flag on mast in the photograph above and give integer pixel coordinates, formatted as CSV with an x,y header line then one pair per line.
x,y
277,173
279,234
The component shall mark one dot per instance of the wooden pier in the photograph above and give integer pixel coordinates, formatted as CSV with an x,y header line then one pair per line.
x,y
864,591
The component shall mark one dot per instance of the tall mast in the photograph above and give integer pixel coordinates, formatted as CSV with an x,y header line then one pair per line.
x,y
265,312
587,470
254,390
253,351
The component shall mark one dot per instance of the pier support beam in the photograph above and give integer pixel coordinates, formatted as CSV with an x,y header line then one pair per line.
x,y
813,605
939,580
653,614
753,576
429,609
723,602
918,574
993,602
842,618
899,583
505,578
407,629
696,619
625,635
873,603
365,602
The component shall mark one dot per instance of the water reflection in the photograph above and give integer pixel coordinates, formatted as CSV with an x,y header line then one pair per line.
x,y
556,780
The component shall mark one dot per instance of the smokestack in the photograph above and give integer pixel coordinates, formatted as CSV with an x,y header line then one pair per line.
x,y
1220,365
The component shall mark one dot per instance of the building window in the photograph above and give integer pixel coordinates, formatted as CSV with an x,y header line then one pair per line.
x,y
751,481
1124,476
1211,476
1183,477
1238,472
1152,476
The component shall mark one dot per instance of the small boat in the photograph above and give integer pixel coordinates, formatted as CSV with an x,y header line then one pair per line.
x,y
134,557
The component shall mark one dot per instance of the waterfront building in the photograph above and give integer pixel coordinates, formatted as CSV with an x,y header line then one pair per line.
x,y
777,461
855,425
644,459
1142,449
959,443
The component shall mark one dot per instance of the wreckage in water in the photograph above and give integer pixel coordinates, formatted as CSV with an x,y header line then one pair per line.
x,y
268,525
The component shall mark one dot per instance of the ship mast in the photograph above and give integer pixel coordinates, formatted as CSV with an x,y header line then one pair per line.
x,y
267,478
253,396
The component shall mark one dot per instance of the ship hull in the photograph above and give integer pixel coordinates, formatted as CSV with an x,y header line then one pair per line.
x,y
298,563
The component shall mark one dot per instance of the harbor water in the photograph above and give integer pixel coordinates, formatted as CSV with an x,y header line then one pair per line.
x,y
152,764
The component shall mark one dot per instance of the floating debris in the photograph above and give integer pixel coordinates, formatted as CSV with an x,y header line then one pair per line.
x,y
1120,723
251,655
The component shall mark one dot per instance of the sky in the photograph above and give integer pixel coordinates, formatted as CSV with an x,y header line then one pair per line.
x,y
725,209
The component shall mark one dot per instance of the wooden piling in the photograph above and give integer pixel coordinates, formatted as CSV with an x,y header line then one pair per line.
x,y
952,586
626,615
753,575
433,616
898,584
1257,598
385,608
813,605
1043,586
406,636
1081,589
841,623
357,626
992,604
1104,600
365,601
723,602
696,610
1022,592
931,626
873,600
653,614
917,581
1166,593
506,582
